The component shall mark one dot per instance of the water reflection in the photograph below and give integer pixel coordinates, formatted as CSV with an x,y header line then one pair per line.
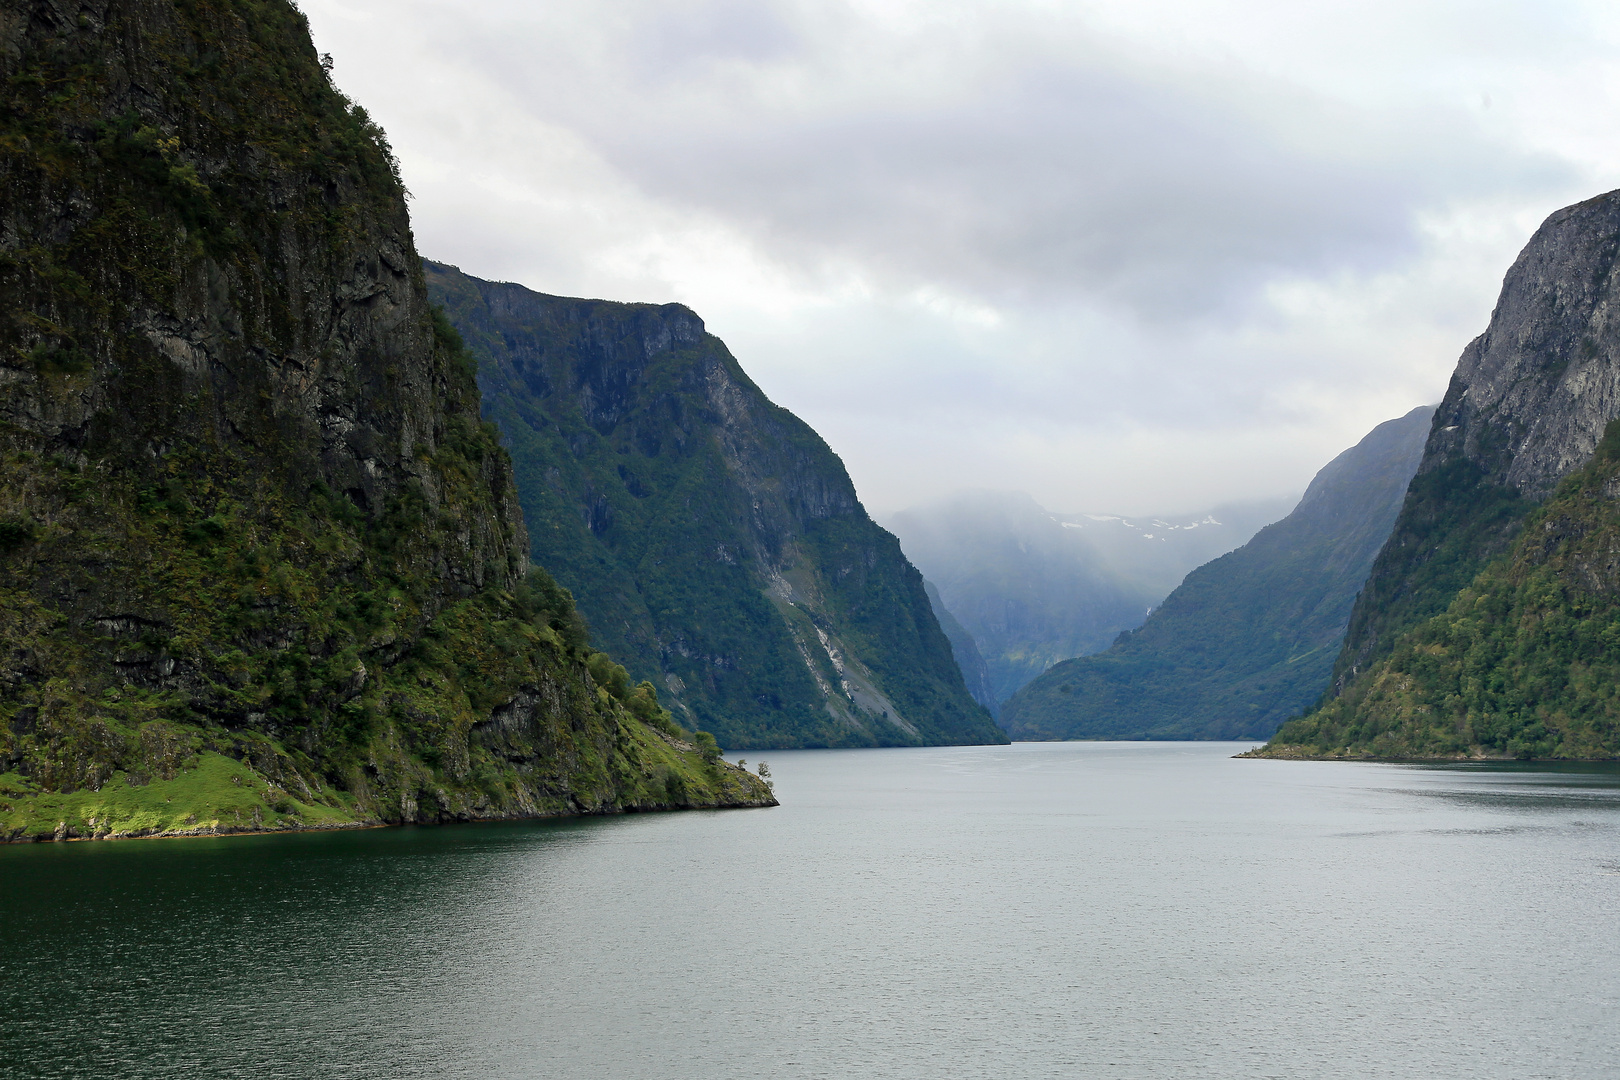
x,y
1104,910
1517,785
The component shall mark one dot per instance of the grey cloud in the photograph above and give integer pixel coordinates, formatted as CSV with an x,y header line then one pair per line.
x,y
1042,171
672,43
1000,247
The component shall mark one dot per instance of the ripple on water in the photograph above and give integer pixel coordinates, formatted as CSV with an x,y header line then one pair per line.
x,y
1081,909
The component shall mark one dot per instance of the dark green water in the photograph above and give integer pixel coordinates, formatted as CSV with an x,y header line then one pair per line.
x,y
1057,910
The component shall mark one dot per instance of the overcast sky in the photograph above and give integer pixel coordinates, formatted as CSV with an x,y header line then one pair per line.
x,y
1131,255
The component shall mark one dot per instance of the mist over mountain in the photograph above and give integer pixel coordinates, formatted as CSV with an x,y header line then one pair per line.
x,y
1248,639
1034,588
974,672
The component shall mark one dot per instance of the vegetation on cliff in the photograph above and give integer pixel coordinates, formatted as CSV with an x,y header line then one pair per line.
x,y
1454,521
251,525
1249,639
713,540
1525,660
1484,622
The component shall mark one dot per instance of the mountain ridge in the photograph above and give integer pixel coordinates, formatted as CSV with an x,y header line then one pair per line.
x,y
1528,405
1248,639
711,537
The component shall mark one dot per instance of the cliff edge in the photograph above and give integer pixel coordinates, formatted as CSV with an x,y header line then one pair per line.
x,y
261,564
1483,621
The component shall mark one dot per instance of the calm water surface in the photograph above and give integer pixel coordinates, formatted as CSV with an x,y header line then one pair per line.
x,y
1067,910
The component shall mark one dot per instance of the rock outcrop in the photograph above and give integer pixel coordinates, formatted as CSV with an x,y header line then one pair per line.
x,y
710,537
1529,403
247,506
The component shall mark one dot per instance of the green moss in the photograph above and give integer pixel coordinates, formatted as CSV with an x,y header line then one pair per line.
x,y
212,794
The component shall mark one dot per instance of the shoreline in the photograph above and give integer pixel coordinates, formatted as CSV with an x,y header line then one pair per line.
x,y
70,836
1452,759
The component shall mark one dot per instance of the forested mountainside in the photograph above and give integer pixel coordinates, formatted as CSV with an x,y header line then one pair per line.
x,y
261,564
1477,636
1249,639
711,538
1034,588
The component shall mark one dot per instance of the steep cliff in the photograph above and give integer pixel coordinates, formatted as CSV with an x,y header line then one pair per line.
x,y
1249,639
261,565
1527,406
711,538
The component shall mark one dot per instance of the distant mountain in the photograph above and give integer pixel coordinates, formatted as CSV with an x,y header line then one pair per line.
x,y
711,539
1035,588
1489,626
1249,639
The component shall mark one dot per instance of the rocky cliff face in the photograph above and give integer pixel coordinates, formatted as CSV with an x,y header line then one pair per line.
x,y
1529,402
711,538
247,507
1526,406
1249,639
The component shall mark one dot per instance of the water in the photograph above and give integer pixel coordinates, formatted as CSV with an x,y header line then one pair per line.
x,y
1106,910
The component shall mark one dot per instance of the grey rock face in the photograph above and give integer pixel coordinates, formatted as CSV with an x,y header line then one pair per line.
x,y
1531,396
1527,405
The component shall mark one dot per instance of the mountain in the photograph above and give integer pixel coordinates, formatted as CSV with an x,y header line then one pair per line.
x,y
1483,627
710,537
261,565
1034,588
1250,639
966,651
